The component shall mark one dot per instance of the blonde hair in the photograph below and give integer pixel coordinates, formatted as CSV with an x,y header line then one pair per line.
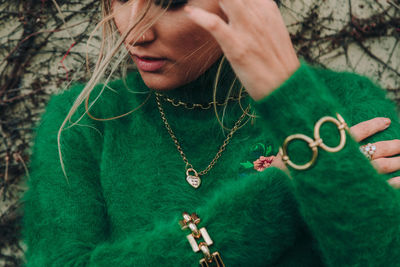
x,y
108,49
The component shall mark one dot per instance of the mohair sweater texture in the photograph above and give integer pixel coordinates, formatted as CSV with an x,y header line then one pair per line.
x,y
127,187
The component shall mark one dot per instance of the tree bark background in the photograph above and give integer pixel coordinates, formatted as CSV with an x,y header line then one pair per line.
x,y
42,51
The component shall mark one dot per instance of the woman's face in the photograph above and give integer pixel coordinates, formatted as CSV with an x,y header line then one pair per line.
x,y
174,50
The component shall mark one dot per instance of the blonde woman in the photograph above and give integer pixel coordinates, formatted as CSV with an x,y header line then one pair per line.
x,y
222,149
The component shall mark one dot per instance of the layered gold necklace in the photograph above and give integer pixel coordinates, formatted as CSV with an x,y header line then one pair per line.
x,y
177,103
192,176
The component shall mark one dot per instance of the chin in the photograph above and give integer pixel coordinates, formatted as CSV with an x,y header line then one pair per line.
x,y
161,82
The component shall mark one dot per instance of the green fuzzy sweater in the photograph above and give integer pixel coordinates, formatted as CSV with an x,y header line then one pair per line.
x,y
127,187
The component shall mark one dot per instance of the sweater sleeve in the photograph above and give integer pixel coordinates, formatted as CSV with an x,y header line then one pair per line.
x,y
66,224
352,212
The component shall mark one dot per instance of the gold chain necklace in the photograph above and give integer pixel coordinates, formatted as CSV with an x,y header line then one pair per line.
x,y
177,103
192,176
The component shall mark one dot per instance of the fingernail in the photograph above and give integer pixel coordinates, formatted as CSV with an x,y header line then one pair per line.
x,y
387,121
188,9
222,6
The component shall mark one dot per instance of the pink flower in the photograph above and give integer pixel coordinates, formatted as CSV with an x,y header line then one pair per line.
x,y
263,162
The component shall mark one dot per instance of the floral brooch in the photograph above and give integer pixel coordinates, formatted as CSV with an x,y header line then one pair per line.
x,y
260,158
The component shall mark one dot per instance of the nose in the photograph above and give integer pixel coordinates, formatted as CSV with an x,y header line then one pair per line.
x,y
146,37
144,32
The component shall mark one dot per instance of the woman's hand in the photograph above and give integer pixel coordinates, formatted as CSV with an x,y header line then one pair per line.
x,y
255,40
384,149
382,159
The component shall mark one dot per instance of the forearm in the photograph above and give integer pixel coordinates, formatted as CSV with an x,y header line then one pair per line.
x,y
341,197
232,216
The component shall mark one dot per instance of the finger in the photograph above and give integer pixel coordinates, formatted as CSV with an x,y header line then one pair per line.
x,y
395,182
386,165
365,129
213,24
232,8
278,162
386,149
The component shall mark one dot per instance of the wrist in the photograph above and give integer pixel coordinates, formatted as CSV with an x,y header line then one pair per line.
x,y
273,80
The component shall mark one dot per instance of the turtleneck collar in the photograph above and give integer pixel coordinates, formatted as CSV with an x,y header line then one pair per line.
x,y
201,89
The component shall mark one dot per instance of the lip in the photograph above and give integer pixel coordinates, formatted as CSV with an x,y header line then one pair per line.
x,y
148,63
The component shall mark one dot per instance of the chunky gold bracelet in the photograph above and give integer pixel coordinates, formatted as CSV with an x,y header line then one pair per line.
x,y
191,222
316,142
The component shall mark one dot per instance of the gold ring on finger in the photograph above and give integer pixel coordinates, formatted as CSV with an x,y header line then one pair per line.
x,y
368,150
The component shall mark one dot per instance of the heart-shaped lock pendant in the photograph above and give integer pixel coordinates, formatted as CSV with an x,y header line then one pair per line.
x,y
193,179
